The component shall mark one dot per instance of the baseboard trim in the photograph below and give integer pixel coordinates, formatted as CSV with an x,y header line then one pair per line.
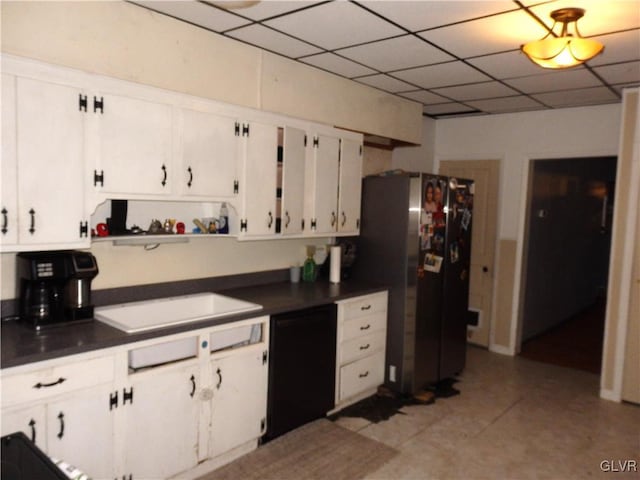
x,y
502,350
611,395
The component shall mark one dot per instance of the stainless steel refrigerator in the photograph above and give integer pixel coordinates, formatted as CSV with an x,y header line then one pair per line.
x,y
415,237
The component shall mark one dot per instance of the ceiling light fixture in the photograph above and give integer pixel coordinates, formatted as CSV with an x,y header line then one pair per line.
x,y
565,50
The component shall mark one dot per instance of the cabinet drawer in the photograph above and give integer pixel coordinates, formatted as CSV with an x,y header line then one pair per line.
x,y
47,382
364,325
365,305
362,346
361,375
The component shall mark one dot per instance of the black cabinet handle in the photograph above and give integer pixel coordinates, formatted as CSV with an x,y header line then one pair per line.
x,y
5,221
190,177
32,228
164,173
45,385
286,214
333,218
61,418
193,386
366,327
365,308
365,374
344,218
270,220
32,424
365,347
219,373
485,269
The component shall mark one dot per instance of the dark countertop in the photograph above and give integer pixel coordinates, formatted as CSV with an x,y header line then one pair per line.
x,y
22,345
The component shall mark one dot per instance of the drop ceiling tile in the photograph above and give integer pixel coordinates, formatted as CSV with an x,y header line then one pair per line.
x,y
336,64
506,104
444,74
620,73
476,91
493,34
197,13
334,25
396,53
583,96
386,83
420,15
618,47
506,65
600,16
269,39
447,108
555,80
424,97
263,10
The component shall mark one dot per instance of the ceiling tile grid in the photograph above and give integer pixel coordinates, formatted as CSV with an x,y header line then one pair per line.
x,y
455,57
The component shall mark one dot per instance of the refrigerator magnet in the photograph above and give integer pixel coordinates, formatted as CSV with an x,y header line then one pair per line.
x,y
432,263
454,252
466,218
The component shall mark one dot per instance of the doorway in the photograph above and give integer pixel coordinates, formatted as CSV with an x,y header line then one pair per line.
x,y
568,240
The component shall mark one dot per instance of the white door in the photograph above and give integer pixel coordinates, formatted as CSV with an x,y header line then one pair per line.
x,y
239,404
133,145
294,151
485,174
326,152
260,175
50,152
8,164
350,186
80,431
209,157
28,420
161,424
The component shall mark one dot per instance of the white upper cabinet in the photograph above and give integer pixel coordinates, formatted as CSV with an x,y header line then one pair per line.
x,y
131,145
322,211
292,166
258,189
350,186
43,160
209,152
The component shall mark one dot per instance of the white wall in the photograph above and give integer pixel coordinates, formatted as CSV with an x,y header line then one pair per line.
x,y
515,139
418,158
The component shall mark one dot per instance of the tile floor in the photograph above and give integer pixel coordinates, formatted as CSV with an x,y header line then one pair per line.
x,y
514,419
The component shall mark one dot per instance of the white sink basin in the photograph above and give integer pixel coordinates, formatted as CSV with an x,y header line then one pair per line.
x,y
149,314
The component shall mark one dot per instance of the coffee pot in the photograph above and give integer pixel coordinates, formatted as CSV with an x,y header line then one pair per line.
x,y
55,287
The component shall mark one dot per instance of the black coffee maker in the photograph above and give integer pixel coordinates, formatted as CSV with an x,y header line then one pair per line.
x,y
55,287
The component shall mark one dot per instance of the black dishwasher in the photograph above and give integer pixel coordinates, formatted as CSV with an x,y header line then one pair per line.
x,y
302,368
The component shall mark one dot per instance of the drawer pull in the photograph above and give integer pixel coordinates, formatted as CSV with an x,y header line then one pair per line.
x,y
44,385
365,347
32,424
366,308
61,418
193,386
366,327
365,374
219,373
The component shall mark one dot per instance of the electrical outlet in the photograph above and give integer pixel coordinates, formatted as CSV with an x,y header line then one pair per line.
x,y
392,373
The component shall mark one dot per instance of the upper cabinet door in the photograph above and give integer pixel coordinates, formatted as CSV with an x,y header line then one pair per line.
x,y
325,197
350,186
8,165
260,173
209,154
50,154
133,145
293,165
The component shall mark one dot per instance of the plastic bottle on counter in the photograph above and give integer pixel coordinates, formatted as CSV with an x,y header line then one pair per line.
x,y
309,268
223,219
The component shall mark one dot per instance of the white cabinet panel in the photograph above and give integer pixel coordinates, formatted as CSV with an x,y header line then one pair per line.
x,y
350,188
209,156
239,400
325,192
28,420
361,375
294,151
133,145
8,164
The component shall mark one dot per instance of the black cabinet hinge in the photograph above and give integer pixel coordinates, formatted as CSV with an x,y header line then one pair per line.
x,y
236,186
313,224
316,142
84,229
127,396
358,223
236,130
265,356
98,178
113,400
361,150
5,221
98,104
263,424
305,140
302,224
243,225
82,102
245,130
